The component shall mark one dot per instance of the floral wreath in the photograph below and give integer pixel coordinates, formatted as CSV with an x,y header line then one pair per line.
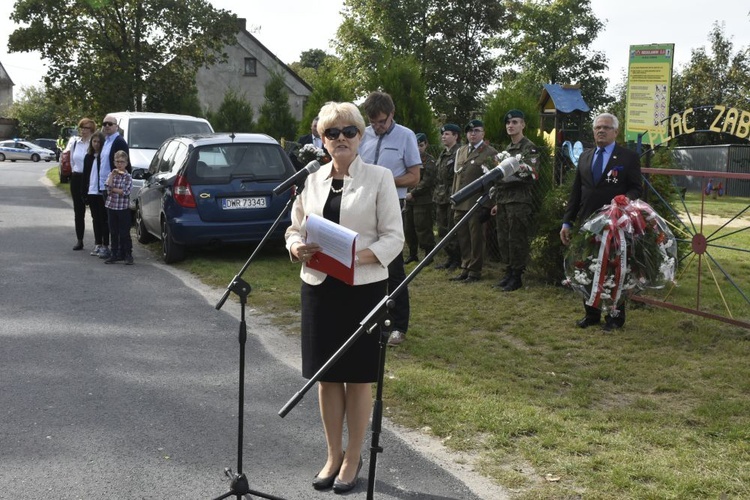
x,y
309,152
622,249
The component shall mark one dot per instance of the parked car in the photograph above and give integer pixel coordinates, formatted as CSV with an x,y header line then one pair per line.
x,y
16,149
212,189
50,144
145,132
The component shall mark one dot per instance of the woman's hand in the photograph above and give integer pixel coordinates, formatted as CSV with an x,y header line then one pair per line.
x,y
304,251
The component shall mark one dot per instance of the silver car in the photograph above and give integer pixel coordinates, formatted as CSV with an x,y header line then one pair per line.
x,y
23,150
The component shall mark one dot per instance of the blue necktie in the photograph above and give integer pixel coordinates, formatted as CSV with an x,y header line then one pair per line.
x,y
598,166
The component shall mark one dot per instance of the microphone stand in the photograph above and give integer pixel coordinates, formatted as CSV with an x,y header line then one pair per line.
x,y
370,324
239,485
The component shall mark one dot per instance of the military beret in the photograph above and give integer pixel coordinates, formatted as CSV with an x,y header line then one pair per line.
x,y
421,137
473,124
450,127
514,113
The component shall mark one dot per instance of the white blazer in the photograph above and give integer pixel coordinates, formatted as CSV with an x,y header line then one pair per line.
x,y
369,206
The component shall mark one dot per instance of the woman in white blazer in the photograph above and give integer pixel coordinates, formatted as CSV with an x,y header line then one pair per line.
x,y
363,198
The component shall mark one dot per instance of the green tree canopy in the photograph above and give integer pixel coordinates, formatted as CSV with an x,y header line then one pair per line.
x,y
549,41
401,79
39,115
235,114
276,117
327,86
447,39
719,75
103,53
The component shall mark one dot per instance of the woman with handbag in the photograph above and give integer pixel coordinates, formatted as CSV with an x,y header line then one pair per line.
x,y
76,150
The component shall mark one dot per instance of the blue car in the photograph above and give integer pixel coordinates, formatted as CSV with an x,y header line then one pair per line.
x,y
210,189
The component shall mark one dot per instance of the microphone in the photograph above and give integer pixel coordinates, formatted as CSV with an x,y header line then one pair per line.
x,y
507,167
298,178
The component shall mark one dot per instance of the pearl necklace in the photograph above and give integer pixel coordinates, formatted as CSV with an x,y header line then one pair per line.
x,y
337,191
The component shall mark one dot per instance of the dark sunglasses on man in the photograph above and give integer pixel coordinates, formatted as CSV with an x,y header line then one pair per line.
x,y
333,133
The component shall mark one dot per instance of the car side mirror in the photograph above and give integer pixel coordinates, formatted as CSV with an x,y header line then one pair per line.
x,y
141,174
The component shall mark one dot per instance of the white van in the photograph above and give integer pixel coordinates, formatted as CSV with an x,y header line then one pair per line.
x,y
145,132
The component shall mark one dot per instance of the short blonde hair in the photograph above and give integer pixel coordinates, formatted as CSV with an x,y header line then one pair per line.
x,y
333,112
121,155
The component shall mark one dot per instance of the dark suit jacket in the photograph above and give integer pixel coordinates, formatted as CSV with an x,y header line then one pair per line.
x,y
305,139
119,144
586,198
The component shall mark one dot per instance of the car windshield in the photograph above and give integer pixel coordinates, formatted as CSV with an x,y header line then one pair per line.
x,y
222,163
151,133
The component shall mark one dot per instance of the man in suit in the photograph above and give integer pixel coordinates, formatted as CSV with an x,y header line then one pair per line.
x,y
470,160
312,138
603,173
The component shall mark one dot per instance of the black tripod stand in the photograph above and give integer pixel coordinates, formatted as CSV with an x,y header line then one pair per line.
x,y
370,324
239,485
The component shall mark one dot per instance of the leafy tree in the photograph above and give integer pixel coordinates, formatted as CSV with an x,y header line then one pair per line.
x,y
165,97
312,58
104,53
276,117
548,41
326,87
38,115
447,39
400,78
235,114
718,76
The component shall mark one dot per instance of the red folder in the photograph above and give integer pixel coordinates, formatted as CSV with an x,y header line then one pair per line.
x,y
332,267
328,264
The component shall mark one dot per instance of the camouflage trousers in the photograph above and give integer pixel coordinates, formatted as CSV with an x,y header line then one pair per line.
x,y
418,228
514,224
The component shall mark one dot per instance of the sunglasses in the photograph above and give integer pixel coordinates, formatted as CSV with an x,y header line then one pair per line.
x,y
108,124
333,133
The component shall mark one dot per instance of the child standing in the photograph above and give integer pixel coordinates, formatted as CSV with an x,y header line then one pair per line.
x,y
119,182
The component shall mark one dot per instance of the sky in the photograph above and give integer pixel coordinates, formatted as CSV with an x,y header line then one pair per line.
x,y
294,26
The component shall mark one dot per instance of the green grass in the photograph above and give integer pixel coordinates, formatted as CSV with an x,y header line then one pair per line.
x,y
657,410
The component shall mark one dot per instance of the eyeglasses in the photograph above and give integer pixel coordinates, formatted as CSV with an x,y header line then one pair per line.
x,y
378,123
108,124
333,133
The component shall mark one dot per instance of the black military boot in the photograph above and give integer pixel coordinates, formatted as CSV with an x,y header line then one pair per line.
x,y
514,283
505,279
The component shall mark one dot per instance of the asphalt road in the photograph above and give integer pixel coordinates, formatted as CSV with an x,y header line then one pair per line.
x,y
122,381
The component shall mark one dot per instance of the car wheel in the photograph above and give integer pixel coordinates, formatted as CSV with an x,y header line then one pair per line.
x,y
2,157
171,251
35,158
141,233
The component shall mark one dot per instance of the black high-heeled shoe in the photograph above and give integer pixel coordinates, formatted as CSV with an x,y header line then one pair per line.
x,y
323,483
342,487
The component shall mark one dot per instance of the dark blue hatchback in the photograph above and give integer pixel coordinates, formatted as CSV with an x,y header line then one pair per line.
x,y
212,189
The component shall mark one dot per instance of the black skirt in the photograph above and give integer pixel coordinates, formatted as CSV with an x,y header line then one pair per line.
x,y
331,313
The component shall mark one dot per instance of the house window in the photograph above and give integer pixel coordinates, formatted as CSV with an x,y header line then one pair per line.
x,y
250,66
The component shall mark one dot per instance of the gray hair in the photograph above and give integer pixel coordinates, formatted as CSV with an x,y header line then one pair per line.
x,y
611,117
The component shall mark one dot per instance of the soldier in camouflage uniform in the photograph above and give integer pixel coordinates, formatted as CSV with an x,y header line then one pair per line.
x,y
514,204
418,206
441,195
